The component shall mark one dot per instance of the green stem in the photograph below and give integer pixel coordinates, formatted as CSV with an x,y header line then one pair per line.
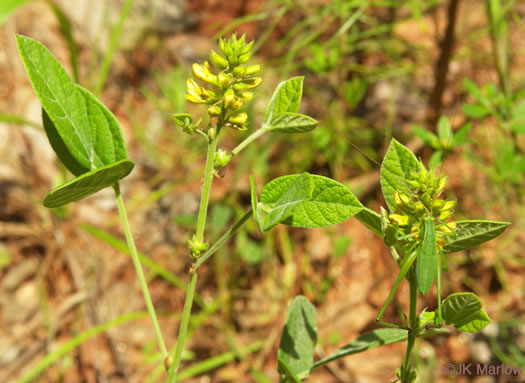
x,y
406,369
206,187
174,367
252,137
222,240
138,269
201,224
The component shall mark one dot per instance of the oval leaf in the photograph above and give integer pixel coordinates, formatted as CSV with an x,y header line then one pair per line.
x,y
399,161
287,374
87,128
88,183
286,98
299,337
427,261
60,148
463,311
330,202
476,324
292,123
371,220
290,195
471,233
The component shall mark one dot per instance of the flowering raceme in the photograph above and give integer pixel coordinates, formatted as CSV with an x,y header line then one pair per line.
x,y
226,86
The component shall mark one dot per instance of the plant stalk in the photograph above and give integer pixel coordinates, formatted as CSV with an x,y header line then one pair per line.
x,y
201,224
138,269
248,140
186,313
406,369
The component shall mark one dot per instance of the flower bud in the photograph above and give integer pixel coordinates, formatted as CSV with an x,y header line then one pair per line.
x,y
419,207
400,220
247,47
229,96
245,58
239,70
447,228
224,78
246,96
445,215
252,69
236,104
441,185
221,159
437,204
214,111
217,60
449,205
202,73
197,246
247,84
239,119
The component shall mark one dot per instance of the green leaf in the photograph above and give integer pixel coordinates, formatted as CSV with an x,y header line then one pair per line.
x,y
427,261
367,341
88,183
399,161
471,233
88,129
330,202
292,123
297,346
475,111
60,148
474,90
478,323
435,159
444,129
285,99
460,137
426,136
371,220
255,206
287,374
290,195
9,6
463,311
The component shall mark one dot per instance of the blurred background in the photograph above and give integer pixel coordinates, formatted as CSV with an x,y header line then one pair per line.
x,y
443,77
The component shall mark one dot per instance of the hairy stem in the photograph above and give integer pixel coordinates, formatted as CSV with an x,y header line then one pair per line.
x,y
138,269
201,224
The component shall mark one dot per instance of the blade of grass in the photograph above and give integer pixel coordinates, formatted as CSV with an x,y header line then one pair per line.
x,y
69,346
14,119
115,37
145,260
67,32
217,361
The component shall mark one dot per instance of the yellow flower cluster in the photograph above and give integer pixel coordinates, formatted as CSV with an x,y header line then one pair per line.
x,y
228,85
411,210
